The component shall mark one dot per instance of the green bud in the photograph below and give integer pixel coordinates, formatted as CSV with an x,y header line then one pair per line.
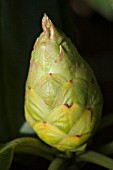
x,y
63,102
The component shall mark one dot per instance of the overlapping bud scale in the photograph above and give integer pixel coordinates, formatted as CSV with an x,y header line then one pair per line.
x,y
63,102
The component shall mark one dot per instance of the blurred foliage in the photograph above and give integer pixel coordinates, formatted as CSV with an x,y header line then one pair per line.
x,y
85,7
104,7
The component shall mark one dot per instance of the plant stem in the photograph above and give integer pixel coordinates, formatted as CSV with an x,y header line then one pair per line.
x,y
58,163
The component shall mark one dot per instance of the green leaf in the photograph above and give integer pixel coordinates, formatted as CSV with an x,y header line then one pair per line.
x,y
104,7
106,121
58,164
106,149
97,158
26,145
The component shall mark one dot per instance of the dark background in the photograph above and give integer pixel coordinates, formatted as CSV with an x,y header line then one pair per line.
x,y
20,25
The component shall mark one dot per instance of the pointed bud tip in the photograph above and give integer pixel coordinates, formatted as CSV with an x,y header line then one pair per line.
x,y
47,25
